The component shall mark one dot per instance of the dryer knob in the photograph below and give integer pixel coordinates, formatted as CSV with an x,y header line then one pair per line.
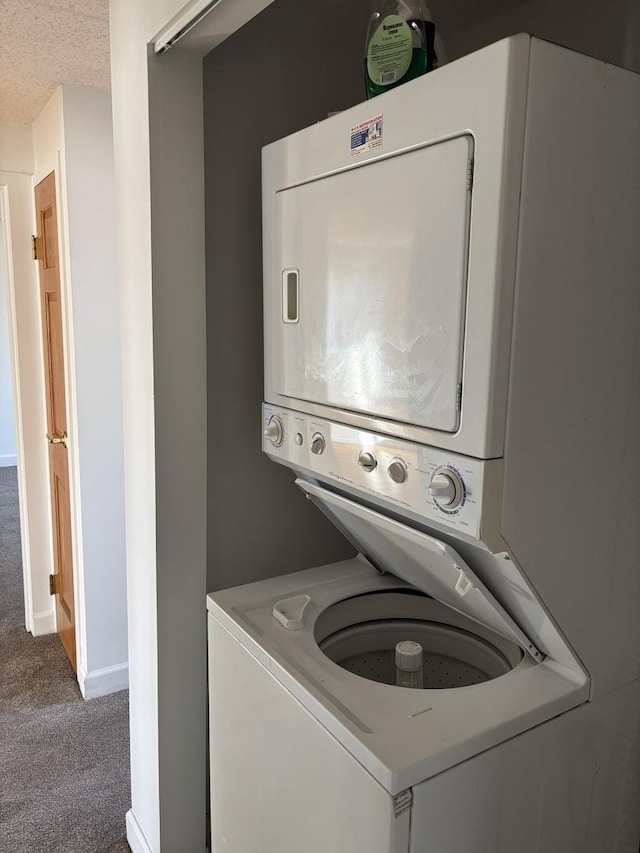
x,y
318,444
275,431
446,489
397,470
367,461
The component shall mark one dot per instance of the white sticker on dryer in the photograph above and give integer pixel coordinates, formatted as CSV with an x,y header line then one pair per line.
x,y
366,135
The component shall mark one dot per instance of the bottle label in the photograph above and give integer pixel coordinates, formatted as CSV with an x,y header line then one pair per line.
x,y
390,51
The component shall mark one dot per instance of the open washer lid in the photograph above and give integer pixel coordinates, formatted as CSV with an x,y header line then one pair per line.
x,y
419,559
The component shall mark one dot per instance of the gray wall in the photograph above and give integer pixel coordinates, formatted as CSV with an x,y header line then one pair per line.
x,y
177,625
609,31
286,69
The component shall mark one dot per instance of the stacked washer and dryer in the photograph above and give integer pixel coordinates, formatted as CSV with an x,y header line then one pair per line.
x,y
452,351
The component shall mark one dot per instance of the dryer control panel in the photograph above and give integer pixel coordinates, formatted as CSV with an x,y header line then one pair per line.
x,y
427,482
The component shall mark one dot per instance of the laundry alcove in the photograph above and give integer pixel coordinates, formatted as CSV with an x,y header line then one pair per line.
x,y
205,510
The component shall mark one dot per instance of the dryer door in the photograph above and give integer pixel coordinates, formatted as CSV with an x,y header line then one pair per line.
x,y
370,277
419,559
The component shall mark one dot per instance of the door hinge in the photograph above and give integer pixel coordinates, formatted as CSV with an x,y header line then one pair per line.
x,y
35,254
53,586
459,397
470,167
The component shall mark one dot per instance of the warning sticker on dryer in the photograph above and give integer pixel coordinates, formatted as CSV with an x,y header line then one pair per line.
x,y
402,802
366,135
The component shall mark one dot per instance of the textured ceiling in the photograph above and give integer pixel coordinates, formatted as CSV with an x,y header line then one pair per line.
x,y
47,42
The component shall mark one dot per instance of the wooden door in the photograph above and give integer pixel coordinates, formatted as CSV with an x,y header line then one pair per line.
x,y
51,303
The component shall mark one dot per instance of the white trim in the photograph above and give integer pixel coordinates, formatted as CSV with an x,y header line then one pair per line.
x,y
101,682
181,23
43,622
68,348
8,460
204,24
135,835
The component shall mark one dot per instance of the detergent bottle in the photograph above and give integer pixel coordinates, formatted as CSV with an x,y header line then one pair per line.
x,y
400,44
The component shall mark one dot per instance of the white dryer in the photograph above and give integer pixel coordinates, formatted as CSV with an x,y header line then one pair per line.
x,y
451,328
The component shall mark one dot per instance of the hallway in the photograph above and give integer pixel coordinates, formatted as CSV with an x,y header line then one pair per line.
x,y
64,762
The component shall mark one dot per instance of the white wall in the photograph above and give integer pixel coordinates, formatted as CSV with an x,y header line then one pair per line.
x,y
7,424
73,136
48,142
16,169
15,153
16,148
92,273
131,27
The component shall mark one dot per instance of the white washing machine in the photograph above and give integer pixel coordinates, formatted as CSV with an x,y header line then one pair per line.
x,y
452,364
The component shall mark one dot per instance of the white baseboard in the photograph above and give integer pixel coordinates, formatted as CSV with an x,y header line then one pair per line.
x,y
101,682
135,835
43,623
8,461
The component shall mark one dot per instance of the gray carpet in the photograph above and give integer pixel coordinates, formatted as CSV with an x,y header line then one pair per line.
x,y
64,762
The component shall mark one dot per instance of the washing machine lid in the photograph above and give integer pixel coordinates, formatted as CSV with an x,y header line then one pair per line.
x,y
420,559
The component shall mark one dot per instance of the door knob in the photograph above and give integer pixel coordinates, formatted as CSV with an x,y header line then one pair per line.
x,y
57,439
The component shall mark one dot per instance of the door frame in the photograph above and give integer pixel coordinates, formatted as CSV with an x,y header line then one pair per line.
x,y
32,461
8,262
16,201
